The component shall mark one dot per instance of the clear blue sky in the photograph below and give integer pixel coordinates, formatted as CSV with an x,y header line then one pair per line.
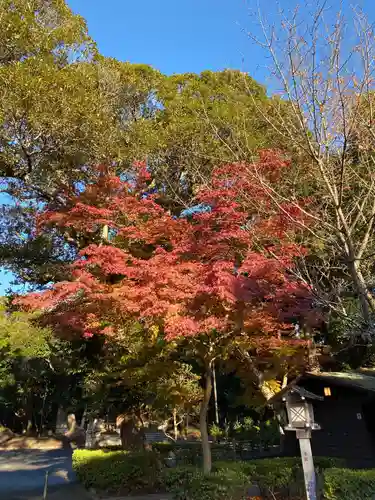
x,y
173,36
187,35
182,36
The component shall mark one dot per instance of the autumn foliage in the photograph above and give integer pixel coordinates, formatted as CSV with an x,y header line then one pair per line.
x,y
223,269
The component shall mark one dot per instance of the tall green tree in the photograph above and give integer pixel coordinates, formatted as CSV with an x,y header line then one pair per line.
x,y
38,372
204,120
63,107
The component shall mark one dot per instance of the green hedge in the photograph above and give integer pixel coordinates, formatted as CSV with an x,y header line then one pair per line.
x,y
122,472
190,453
118,471
189,483
285,475
231,480
349,484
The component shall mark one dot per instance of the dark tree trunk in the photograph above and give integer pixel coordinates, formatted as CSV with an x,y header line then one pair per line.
x,y
206,449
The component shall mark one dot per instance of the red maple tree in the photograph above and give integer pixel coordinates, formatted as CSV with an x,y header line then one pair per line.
x,y
217,278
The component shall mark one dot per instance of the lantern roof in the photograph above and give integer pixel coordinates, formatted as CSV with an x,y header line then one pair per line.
x,y
303,393
291,389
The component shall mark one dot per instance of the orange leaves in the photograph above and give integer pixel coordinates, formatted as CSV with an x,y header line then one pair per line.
x,y
203,274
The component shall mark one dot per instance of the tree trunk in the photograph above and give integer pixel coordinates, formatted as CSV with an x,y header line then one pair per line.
x,y
29,427
362,291
175,424
105,232
206,449
313,364
215,395
83,419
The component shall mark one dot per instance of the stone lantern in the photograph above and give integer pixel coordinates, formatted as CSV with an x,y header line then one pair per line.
x,y
301,421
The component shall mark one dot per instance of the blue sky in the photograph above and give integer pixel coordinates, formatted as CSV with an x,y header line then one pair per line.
x,y
173,36
182,36
188,35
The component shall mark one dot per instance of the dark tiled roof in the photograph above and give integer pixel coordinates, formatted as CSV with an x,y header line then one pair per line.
x,y
356,380
350,379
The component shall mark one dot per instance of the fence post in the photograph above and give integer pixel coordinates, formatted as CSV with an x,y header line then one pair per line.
x,y
45,486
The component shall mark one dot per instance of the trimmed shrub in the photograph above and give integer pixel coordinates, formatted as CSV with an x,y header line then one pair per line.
x,y
323,463
186,453
349,484
118,471
189,483
190,453
246,468
284,474
124,472
276,475
178,478
293,462
231,480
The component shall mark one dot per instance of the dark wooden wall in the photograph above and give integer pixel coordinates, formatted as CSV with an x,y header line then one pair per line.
x,y
344,431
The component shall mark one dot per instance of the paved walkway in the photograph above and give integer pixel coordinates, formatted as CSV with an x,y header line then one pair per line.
x,y
22,473
159,496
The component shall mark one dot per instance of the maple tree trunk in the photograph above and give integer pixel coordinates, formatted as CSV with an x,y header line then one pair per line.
x,y
206,449
215,395
105,232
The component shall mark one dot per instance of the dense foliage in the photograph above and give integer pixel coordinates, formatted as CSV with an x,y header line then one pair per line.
x,y
123,472
216,281
38,372
64,107
350,484
118,472
175,231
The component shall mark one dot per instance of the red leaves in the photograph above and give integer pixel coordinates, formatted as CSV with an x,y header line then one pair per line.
x,y
107,260
193,276
81,217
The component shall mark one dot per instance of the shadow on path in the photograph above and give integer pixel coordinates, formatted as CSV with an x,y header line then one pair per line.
x,y
67,492
24,471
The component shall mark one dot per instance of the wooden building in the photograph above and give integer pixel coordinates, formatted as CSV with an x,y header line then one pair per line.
x,y
346,416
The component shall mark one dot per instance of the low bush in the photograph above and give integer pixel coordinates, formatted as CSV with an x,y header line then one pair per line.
x,y
118,471
276,475
166,447
321,463
349,484
247,468
284,474
189,483
124,472
276,478
190,453
186,453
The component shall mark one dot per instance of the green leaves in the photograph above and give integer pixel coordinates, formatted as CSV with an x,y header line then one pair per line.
x,y
118,471
37,28
20,337
349,484
204,120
